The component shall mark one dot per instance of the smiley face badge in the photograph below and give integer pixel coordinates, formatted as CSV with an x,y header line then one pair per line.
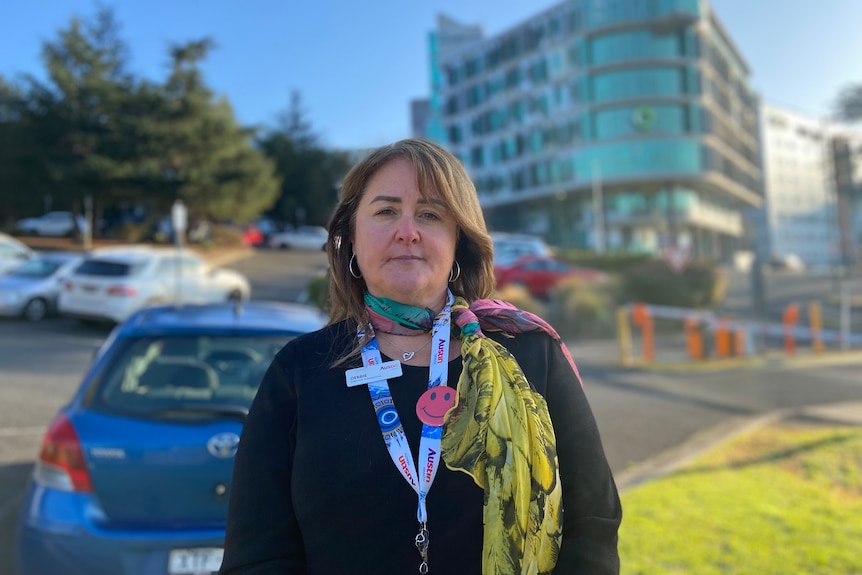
x,y
433,404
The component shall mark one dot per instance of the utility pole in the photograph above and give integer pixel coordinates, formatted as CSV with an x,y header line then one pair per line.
x,y
598,206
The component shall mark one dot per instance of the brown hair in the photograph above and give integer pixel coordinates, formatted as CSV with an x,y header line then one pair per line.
x,y
439,174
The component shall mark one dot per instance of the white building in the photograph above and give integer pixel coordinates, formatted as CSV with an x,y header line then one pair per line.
x,y
801,201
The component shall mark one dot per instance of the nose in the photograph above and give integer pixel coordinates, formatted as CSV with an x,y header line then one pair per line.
x,y
407,231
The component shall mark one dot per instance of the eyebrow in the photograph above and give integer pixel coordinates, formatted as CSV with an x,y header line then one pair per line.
x,y
396,199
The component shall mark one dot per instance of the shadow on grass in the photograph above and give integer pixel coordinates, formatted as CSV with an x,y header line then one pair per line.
x,y
772,457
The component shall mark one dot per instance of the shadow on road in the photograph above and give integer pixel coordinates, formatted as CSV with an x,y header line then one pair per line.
x,y
614,379
13,481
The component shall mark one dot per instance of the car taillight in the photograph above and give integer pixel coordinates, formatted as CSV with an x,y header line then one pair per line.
x,y
122,290
67,285
61,463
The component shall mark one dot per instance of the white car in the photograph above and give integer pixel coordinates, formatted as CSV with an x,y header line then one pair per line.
x,y
12,253
113,283
59,224
302,238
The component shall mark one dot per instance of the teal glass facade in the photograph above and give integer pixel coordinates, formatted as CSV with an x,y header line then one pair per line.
x,y
640,97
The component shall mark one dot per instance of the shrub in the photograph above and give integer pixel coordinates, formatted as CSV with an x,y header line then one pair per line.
x,y
521,298
318,292
225,236
608,262
584,309
699,285
131,232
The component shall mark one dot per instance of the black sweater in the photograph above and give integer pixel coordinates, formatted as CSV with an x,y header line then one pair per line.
x,y
314,490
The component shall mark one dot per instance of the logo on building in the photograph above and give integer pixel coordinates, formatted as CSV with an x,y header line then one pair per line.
x,y
643,118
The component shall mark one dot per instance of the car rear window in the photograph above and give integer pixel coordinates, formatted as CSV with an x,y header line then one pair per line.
x,y
185,376
105,268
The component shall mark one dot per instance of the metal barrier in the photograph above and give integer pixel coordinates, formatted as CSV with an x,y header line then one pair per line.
x,y
732,337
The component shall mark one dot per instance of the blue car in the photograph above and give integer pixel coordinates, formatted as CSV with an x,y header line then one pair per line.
x,y
134,473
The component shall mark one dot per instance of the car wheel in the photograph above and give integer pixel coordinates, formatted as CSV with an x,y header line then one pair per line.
x,y
36,309
235,295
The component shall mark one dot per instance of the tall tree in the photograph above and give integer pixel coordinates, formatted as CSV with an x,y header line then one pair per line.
x,y
848,105
309,173
209,160
75,117
20,192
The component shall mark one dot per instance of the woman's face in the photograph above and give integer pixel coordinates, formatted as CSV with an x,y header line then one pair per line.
x,y
404,245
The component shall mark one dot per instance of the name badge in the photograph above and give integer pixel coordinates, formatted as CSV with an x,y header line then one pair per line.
x,y
372,373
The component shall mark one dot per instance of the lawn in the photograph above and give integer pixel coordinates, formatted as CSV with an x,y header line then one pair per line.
x,y
780,500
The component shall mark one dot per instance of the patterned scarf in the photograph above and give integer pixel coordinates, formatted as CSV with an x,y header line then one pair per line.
x,y
499,431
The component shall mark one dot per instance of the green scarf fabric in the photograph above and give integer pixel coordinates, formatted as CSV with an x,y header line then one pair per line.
x,y
500,433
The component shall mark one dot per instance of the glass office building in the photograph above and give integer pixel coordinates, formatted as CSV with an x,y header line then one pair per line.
x,y
617,124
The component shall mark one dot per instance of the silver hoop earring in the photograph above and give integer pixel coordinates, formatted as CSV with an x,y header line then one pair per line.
x,y
455,272
350,267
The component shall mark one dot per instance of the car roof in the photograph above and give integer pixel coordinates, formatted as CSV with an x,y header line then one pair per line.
x,y
257,317
133,253
511,236
7,239
58,256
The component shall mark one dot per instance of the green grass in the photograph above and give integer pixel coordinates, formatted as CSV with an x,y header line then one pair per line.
x,y
780,500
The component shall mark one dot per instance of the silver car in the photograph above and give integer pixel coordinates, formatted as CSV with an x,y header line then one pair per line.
x,y
30,290
12,253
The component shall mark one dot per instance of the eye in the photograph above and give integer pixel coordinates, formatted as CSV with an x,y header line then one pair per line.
x,y
385,212
430,216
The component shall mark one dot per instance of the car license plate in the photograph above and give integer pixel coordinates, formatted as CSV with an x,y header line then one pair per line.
x,y
194,561
89,288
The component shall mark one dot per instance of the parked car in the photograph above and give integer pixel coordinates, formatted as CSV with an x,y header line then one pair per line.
x,y
509,247
539,274
252,236
12,253
53,224
302,238
31,289
113,283
134,473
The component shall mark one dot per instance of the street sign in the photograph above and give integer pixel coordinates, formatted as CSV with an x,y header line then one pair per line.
x,y
676,256
179,216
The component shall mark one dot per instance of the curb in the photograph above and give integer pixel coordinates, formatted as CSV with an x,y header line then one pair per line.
x,y
774,362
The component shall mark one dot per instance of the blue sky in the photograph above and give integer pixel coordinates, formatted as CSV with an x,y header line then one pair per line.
x,y
358,64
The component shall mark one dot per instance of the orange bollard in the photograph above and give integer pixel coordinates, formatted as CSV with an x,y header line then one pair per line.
x,y
789,319
693,338
641,317
722,339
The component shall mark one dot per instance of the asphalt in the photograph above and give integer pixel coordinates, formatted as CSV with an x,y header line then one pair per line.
x,y
606,353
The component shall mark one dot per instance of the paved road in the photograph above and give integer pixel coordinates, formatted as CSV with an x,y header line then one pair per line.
x,y
639,414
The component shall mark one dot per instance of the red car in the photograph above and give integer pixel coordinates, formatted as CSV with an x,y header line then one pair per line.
x,y
538,274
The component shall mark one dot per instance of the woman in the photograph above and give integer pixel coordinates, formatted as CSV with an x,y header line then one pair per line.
x,y
359,456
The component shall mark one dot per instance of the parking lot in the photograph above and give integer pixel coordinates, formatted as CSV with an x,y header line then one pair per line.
x,y
640,414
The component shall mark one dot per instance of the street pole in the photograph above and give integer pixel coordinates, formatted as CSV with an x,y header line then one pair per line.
x,y
179,222
598,206
88,219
